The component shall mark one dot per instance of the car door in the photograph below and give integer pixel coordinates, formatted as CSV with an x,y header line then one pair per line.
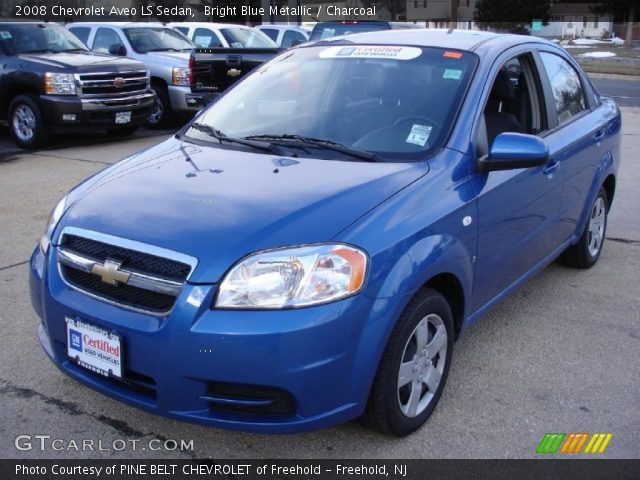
x,y
576,136
518,210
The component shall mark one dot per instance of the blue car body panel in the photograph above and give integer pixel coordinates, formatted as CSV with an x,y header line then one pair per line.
x,y
435,219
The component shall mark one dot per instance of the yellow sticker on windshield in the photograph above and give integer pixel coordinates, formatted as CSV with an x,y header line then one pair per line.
x,y
372,51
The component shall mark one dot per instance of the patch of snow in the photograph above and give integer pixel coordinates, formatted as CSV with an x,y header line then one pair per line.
x,y
598,54
617,41
588,41
577,46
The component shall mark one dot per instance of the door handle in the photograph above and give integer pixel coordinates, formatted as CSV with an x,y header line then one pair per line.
x,y
551,167
599,136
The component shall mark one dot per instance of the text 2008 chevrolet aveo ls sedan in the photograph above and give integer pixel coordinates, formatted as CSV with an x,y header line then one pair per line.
x,y
309,247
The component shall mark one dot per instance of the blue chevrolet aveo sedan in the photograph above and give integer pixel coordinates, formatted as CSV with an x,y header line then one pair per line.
x,y
309,247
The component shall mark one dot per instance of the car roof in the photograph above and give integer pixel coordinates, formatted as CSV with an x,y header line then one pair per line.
x,y
119,24
208,25
282,27
459,39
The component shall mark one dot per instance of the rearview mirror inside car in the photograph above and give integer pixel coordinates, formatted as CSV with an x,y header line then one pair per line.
x,y
511,151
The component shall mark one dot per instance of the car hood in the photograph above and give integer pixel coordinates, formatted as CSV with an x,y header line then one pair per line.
x,y
168,58
82,61
221,204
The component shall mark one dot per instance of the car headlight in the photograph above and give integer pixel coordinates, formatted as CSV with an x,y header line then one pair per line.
x,y
59,83
54,218
180,76
293,277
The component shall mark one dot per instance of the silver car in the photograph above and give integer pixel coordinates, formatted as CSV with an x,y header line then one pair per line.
x,y
163,50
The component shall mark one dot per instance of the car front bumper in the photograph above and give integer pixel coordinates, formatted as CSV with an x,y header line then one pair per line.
x,y
180,102
321,360
64,113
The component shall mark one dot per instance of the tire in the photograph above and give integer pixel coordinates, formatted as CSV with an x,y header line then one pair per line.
x,y
122,131
26,123
391,408
160,115
586,252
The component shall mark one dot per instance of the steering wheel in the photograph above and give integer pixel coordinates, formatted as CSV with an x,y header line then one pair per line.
x,y
406,118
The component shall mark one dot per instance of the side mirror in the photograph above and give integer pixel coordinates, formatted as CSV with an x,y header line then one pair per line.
x,y
511,151
117,49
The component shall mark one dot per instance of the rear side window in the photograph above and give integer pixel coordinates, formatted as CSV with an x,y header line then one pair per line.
x,y
82,33
566,86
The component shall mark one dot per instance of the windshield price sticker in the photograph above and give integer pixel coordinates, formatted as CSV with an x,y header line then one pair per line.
x,y
419,135
372,51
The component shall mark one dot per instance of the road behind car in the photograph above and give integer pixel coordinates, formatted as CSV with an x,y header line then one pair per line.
x,y
559,355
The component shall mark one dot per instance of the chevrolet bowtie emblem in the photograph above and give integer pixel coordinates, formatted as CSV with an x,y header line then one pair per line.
x,y
110,273
233,72
118,82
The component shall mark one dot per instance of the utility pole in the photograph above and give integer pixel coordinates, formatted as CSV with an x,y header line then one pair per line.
x,y
453,23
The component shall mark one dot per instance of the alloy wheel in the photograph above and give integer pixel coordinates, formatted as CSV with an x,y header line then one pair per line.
x,y
422,365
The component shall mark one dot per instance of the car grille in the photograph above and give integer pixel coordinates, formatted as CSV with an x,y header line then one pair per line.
x,y
113,83
77,255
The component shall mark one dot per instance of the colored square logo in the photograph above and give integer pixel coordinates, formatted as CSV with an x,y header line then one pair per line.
x,y
75,340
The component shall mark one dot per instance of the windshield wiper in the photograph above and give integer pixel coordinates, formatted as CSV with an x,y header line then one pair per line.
x,y
40,50
318,143
221,137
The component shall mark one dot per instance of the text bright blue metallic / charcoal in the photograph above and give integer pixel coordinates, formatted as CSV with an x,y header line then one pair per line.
x,y
307,249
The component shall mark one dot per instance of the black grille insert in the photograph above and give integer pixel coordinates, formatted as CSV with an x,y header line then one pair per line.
x,y
127,295
143,262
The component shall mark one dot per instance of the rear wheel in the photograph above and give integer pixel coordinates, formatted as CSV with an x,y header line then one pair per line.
x,y
414,367
586,252
26,122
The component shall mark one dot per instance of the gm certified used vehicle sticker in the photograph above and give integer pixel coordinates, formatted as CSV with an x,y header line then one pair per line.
x,y
419,135
452,74
372,51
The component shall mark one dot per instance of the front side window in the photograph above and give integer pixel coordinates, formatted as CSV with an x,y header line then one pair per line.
x,y
272,33
157,39
247,38
398,102
16,39
566,86
106,38
292,36
206,38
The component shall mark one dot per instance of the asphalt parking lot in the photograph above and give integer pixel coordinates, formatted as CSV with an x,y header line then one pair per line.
x,y
559,355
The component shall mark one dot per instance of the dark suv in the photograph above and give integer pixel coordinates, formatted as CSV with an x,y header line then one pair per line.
x,y
51,83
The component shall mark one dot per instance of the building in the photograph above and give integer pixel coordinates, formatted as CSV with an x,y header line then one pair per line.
x,y
572,20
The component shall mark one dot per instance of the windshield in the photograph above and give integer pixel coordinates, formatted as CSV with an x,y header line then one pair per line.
x,y
396,102
37,38
157,39
247,38
328,30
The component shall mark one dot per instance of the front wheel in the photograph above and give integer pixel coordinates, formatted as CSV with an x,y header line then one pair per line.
x,y
586,252
26,122
414,367
161,112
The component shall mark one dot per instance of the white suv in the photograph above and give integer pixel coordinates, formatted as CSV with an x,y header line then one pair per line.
x,y
223,35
